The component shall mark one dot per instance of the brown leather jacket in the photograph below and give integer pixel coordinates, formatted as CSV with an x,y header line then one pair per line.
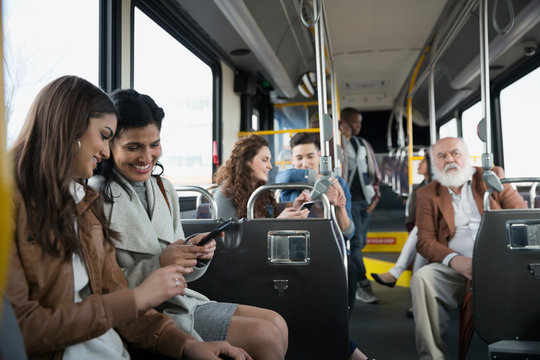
x,y
41,291
435,213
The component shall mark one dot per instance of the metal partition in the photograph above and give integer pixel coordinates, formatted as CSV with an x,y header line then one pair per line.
x,y
270,187
506,274
295,267
266,263
202,193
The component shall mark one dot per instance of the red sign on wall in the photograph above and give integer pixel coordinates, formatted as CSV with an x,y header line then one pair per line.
x,y
382,241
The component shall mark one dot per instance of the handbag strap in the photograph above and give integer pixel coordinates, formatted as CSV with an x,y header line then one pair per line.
x,y
160,184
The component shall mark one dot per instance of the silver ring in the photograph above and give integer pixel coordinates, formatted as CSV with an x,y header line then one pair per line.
x,y
177,282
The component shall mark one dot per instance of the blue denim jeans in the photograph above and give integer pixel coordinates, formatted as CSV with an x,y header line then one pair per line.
x,y
359,239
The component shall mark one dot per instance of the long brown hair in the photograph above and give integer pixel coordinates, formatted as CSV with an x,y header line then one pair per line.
x,y
235,177
43,157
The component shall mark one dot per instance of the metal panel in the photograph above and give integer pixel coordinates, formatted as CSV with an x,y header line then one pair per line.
x,y
312,298
506,292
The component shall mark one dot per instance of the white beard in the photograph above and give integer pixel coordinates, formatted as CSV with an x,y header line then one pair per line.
x,y
455,178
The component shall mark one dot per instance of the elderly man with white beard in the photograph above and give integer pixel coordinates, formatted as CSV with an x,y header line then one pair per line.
x,y
448,217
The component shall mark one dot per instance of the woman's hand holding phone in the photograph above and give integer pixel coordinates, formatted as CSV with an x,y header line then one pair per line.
x,y
205,251
180,253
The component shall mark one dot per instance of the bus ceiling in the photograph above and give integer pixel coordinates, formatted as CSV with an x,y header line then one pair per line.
x,y
375,46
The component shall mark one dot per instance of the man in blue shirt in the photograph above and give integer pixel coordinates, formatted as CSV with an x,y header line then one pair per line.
x,y
305,154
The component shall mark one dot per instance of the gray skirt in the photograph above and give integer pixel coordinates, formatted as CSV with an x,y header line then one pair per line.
x,y
212,320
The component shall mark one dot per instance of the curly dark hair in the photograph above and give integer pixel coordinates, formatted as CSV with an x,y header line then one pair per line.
x,y
135,110
235,177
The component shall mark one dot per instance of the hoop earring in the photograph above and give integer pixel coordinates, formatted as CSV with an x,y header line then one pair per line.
x,y
79,149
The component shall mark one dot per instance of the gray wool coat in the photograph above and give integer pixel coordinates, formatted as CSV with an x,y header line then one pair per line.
x,y
143,237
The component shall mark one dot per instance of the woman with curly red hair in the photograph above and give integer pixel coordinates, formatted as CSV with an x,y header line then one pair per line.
x,y
246,169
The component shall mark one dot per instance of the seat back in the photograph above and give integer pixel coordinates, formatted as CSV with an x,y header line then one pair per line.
x,y
294,267
506,275
311,294
11,340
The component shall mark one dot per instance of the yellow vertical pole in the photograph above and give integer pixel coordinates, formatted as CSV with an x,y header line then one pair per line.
x,y
409,115
5,182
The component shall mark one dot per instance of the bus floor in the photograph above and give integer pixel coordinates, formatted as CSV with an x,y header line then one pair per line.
x,y
383,331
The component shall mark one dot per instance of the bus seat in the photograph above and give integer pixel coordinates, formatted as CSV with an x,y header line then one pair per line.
x,y
203,211
387,169
312,296
404,177
294,267
506,274
11,340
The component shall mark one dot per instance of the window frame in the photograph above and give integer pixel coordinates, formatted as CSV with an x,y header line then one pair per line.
x,y
171,19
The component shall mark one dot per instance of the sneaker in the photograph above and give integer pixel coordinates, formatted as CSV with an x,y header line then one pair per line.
x,y
365,294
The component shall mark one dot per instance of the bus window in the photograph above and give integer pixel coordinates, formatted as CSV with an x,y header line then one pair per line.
x,y
521,125
448,129
469,122
44,40
181,84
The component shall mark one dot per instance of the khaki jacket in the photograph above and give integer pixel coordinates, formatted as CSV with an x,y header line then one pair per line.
x,y
41,291
435,213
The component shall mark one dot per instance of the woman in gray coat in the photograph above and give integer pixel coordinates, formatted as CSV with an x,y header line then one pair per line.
x,y
144,209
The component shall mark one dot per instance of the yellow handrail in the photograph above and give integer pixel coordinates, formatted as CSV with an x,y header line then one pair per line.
x,y
409,114
273,132
300,103
5,185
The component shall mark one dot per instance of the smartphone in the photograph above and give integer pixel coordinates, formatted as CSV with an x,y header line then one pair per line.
x,y
306,205
215,232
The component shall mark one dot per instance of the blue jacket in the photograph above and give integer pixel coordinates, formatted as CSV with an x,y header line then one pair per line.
x,y
307,176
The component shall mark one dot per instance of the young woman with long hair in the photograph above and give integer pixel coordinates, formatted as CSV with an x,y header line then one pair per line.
x,y
70,297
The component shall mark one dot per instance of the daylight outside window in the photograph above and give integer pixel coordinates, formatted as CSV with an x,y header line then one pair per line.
x,y
181,84
520,125
448,129
44,40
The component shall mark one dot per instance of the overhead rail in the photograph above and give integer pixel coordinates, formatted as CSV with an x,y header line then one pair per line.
x,y
274,132
305,104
